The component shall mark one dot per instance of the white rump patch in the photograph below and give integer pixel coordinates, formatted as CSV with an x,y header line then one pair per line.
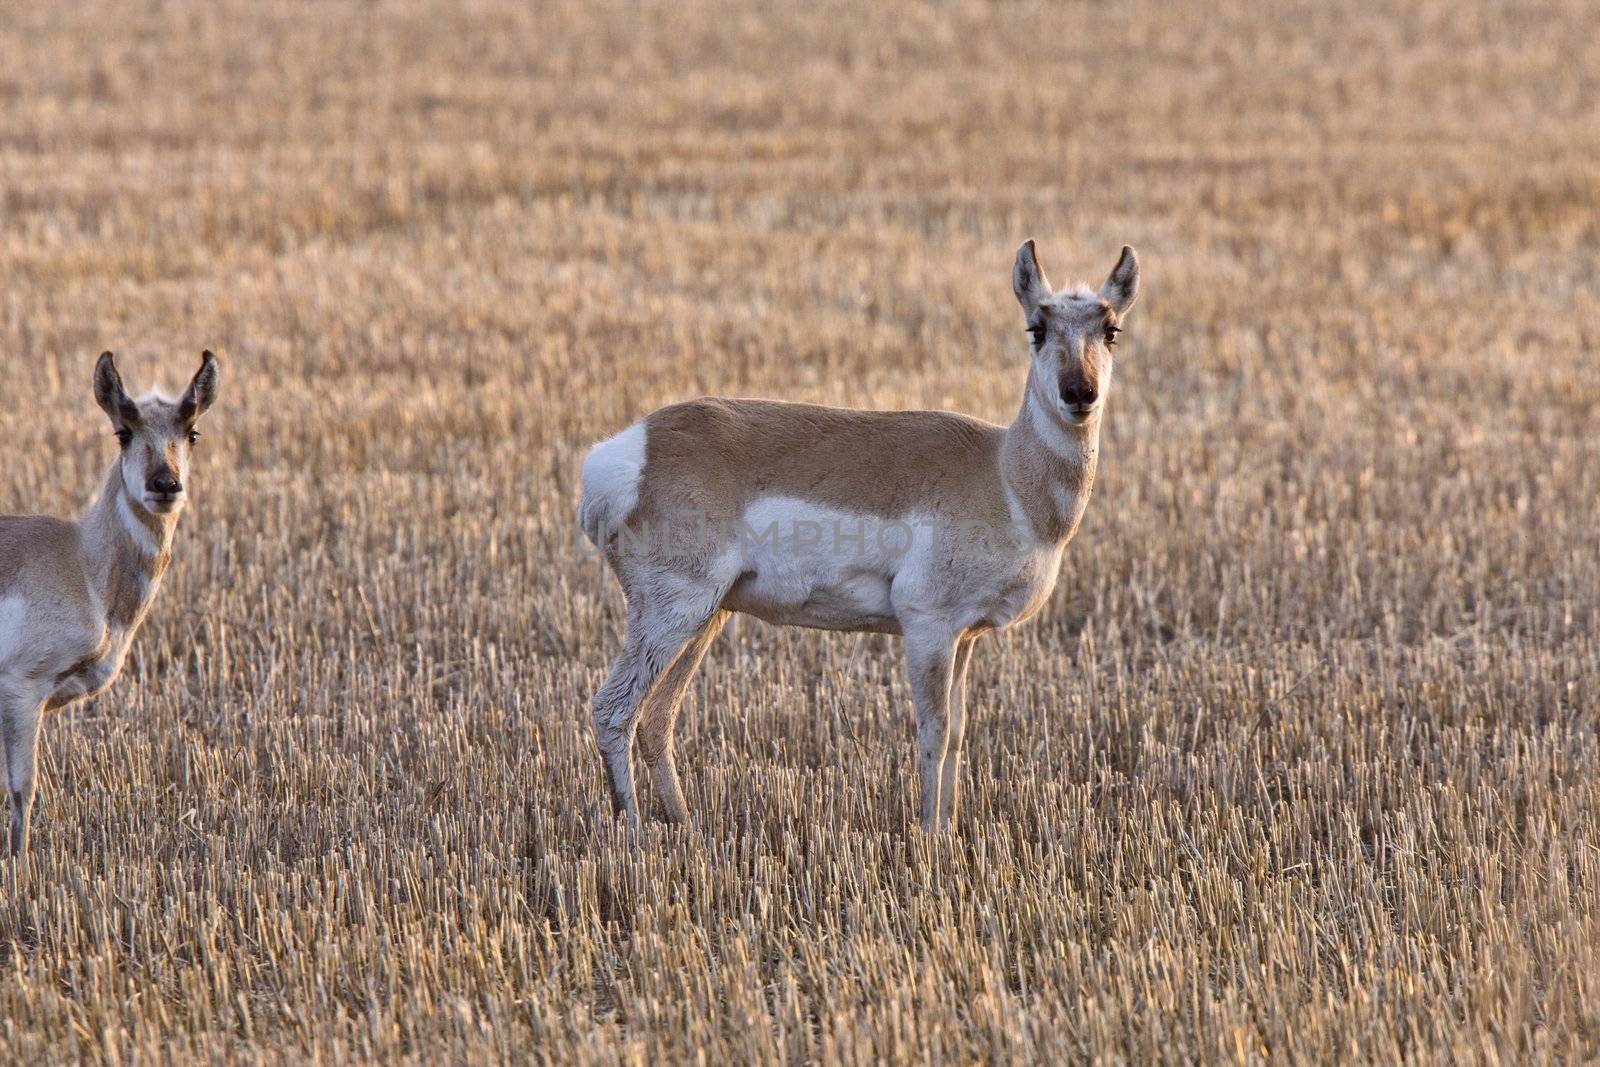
x,y
611,473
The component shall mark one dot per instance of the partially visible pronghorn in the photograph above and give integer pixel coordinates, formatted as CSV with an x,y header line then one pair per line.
x,y
929,524
72,594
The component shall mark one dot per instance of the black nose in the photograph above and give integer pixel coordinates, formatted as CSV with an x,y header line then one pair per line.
x,y
1078,395
165,482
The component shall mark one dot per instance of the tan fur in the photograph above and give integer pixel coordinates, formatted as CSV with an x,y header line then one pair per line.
x,y
74,594
711,457
678,504
40,552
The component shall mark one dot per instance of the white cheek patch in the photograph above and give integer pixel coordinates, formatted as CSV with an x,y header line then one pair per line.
x,y
138,531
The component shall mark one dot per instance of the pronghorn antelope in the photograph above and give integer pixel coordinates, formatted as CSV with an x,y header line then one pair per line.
x,y
928,524
72,594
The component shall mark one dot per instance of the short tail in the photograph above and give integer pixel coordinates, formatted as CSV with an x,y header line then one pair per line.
x,y
611,474
594,517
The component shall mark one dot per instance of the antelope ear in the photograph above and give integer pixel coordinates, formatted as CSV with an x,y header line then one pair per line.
x,y
202,390
1122,286
110,395
1028,280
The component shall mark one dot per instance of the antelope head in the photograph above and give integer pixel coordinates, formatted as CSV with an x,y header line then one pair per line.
x,y
157,434
1073,332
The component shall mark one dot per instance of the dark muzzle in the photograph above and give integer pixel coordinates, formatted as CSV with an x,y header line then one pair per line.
x,y
1078,394
164,482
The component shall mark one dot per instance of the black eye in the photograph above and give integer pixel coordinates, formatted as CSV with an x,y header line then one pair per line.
x,y
194,435
1111,335
124,437
1037,333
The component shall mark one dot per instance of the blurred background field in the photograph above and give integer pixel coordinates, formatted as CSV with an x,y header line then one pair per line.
x,y
1300,764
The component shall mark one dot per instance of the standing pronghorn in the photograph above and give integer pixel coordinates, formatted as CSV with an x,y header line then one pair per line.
x,y
72,594
928,524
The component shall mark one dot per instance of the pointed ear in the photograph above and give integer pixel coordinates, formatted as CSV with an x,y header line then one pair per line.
x,y
1122,286
110,395
202,390
1028,280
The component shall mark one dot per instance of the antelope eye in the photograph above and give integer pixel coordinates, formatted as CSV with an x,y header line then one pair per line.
x,y
1111,335
1037,333
124,437
194,436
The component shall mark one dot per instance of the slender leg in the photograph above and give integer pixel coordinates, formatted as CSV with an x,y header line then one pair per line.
x,y
20,715
950,777
654,640
930,659
659,717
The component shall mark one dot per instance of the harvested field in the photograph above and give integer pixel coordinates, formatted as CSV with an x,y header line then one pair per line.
x,y
1299,765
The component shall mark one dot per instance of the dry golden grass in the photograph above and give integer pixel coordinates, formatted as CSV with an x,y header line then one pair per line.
x,y
1300,764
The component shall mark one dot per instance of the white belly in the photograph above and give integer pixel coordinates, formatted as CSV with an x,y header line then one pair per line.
x,y
798,563
806,564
